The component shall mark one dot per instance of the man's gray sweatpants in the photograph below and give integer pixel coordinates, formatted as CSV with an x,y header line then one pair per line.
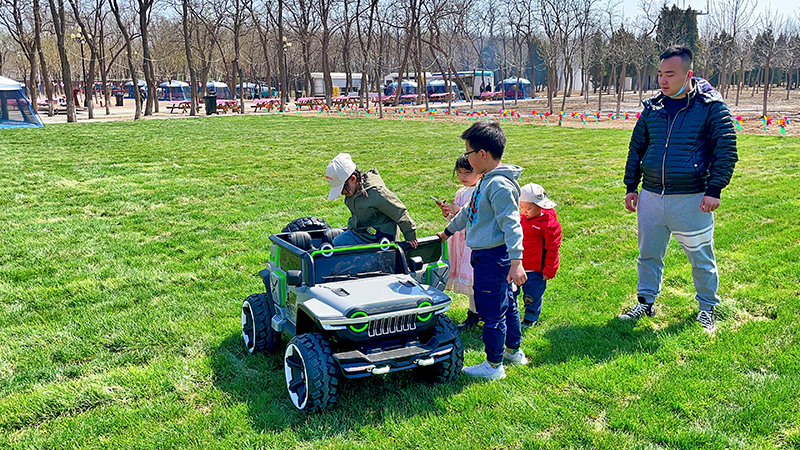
x,y
660,216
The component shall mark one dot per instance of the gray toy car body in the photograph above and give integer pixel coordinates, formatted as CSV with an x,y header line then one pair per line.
x,y
352,312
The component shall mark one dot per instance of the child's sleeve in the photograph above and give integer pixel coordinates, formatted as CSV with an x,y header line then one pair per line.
x,y
459,222
552,246
391,205
506,213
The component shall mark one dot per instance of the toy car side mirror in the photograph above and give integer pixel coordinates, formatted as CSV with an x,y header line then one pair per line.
x,y
415,263
293,278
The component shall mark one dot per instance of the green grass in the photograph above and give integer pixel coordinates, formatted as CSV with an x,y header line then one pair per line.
x,y
128,247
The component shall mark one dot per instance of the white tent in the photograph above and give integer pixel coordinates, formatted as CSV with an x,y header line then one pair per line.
x,y
15,108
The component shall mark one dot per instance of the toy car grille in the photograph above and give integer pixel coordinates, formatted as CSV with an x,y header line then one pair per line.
x,y
390,325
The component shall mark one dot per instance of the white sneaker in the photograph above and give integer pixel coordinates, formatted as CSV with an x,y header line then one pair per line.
x,y
517,357
485,370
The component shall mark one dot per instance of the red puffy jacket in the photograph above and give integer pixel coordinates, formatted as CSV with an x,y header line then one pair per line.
x,y
541,241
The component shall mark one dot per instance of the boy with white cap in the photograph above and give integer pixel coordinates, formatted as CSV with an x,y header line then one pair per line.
x,y
376,212
541,241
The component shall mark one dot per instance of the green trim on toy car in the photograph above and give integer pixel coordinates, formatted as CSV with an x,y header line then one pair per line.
x,y
445,252
431,268
427,317
354,247
363,328
276,254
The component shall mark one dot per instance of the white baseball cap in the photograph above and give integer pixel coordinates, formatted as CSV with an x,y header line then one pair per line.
x,y
339,170
533,193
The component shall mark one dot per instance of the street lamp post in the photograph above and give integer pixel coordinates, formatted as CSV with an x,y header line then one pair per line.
x,y
286,46
81,38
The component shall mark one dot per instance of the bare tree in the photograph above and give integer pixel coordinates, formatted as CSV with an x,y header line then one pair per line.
x,y
58,12
48,86
89,23
729,18
187,39
764,49
22,30
126,35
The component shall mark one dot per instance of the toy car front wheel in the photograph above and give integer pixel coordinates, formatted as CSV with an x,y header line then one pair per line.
x,y
257,331
449,369
312,377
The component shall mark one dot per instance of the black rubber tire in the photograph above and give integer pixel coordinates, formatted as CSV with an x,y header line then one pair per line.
x,y
312,376
301,240
449,369
306,224
257,331
330,234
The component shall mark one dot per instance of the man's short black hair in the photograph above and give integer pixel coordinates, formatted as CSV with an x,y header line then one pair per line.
x,y
682,52
486,136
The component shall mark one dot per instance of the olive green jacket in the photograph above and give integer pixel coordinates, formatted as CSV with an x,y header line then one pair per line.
x,y
379,213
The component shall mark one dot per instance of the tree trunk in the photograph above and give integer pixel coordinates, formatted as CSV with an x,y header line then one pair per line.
x,y
766,85
281,66
620,85
189,61
129,52
48,86
59,25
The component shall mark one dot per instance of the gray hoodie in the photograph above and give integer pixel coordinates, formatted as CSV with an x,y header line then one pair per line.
x,y
492,216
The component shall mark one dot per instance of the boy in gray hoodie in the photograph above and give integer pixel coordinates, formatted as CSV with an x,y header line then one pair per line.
x,y
494,234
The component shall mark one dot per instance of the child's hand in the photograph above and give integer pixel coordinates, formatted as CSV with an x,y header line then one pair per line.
x,y
545,277
442,235
516,273
449,209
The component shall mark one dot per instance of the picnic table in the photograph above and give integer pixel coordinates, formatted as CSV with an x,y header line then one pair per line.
x,y
491,95
265,103
227,105
309,101
183,105
439,97
343,100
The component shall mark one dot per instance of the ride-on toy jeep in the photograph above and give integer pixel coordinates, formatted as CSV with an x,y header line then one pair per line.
x,y
352,311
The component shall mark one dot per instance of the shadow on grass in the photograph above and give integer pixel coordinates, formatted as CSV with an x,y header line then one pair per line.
x,y
601,343
258,382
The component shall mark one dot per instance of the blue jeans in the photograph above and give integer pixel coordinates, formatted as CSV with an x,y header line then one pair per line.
x,y
347,238
532,293
495,303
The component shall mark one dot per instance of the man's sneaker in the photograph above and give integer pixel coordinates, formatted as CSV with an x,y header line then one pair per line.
x,y
485,370
515,357
706,319
472,320
529,323
641,309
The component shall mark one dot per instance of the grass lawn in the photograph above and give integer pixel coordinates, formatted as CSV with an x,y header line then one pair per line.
x,y
127,249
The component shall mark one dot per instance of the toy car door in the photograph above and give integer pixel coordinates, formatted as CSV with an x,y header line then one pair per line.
x,y
428,263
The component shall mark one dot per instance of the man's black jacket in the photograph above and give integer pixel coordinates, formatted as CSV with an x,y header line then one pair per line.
x,y
695,151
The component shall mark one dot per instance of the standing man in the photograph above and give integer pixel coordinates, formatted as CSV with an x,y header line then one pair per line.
x,y
683,149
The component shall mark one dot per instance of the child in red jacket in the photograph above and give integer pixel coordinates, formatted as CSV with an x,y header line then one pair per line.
x,y
541,241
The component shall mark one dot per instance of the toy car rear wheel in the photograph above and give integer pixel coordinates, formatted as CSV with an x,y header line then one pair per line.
x,y
257,331
306,224
449,369
312,377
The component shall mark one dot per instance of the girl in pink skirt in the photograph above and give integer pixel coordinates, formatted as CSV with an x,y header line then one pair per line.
x,y
460,278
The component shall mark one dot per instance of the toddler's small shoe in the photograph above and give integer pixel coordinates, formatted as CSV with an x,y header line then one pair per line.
x,y
472,320
529,323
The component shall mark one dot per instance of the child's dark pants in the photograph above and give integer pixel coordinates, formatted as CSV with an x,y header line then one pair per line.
x,y
495,302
